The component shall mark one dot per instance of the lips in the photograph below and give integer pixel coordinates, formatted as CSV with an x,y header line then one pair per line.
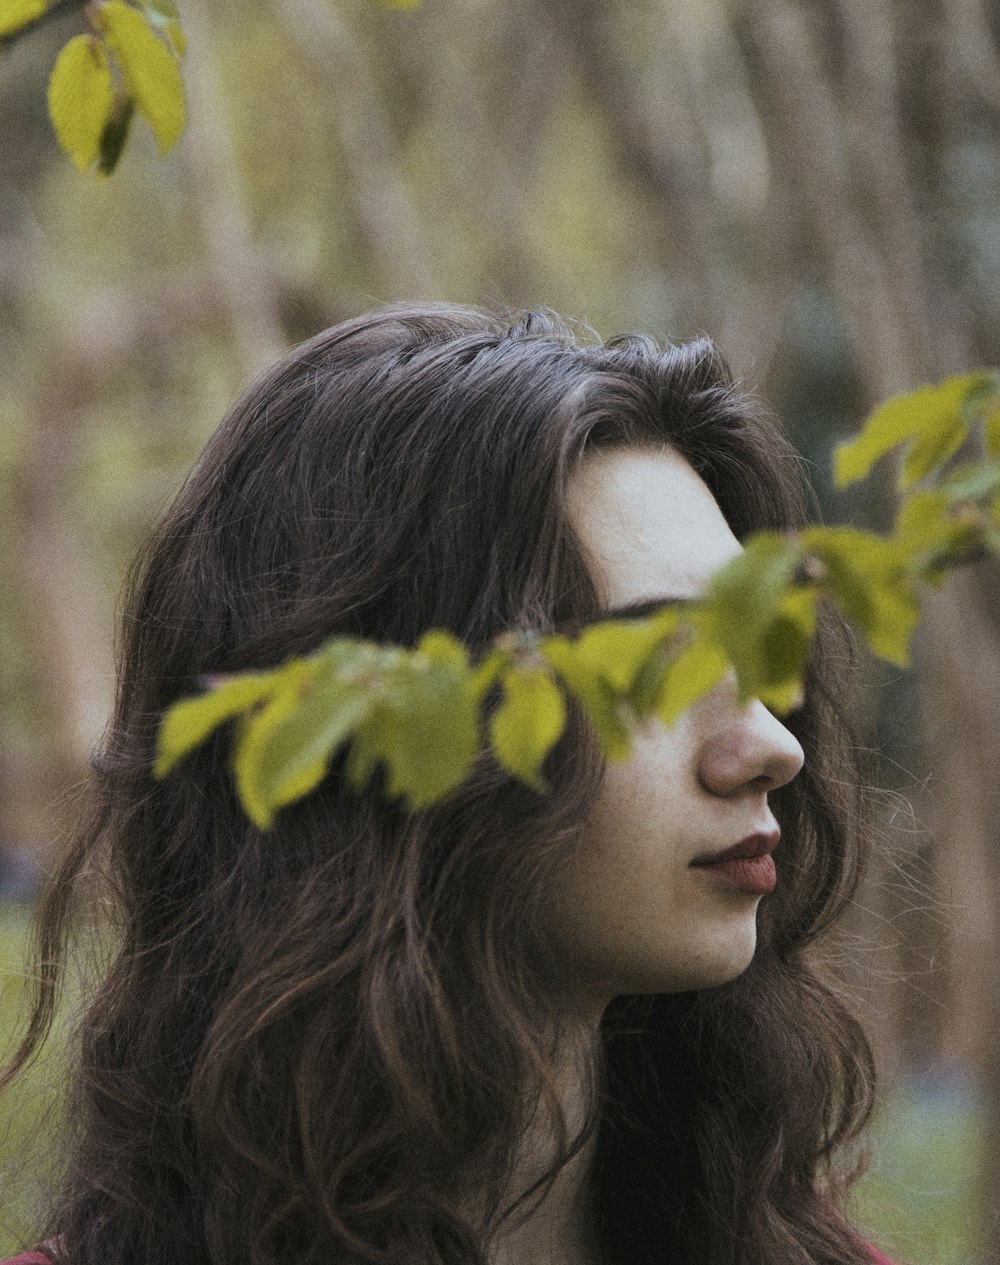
x,y
748,849
746,867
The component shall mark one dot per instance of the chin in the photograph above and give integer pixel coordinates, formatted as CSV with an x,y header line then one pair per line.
x,y
717,962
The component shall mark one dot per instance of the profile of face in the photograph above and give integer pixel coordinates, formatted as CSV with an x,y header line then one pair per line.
x,y
629,911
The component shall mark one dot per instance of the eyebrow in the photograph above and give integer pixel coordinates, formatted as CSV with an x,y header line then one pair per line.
x,y
642,607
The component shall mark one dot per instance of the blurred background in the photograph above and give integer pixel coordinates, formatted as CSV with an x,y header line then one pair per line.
x,y
814,183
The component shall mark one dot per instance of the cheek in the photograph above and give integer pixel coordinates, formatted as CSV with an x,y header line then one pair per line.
x,y
645,801
618,891
626,912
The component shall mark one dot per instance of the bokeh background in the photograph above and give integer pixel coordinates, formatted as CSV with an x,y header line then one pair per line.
x,y
814,183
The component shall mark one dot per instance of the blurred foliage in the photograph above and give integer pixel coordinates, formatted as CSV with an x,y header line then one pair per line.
x,y
417,713
127,62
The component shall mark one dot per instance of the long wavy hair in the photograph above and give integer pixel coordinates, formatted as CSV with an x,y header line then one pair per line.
x,y
323,1044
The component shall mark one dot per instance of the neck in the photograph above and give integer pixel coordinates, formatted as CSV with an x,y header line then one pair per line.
x,y
561,1229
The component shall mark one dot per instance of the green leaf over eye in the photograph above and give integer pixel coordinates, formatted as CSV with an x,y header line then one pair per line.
x,y
617,649
528,723
692,674
748,606
604,708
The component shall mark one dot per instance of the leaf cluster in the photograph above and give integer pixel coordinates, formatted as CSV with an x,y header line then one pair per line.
x,y
426,715
128,62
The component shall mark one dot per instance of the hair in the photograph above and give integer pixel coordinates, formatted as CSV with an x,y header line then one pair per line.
x,y
312,1044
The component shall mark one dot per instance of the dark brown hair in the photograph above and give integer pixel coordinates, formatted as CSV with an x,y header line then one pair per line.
x,y
312,1045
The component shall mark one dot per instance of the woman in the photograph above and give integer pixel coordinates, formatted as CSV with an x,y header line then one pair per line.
x,y
571,1028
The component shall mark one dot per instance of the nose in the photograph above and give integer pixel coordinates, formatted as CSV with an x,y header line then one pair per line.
x,y
752,752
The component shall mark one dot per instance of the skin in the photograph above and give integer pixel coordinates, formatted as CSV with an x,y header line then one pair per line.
x,y
628,912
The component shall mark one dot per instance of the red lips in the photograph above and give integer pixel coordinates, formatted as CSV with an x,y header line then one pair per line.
x,y
747,849
746,867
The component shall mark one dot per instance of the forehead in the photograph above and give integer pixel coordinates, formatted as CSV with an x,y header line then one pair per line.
x,y
648,525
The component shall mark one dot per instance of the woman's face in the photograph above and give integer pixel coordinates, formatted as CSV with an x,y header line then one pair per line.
x,y
630,912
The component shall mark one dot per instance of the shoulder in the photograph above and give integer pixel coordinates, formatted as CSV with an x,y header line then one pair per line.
x,y
879,1258
29,1258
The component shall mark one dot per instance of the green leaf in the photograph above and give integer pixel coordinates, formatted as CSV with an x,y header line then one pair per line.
x,y
870,580
253,781
188,723
928,531
745,601
149,69
115,134
785,649
528,723
425,727
14,14
616,650
294,753
486,673
603,708
930,450
692,674
931,415
81,98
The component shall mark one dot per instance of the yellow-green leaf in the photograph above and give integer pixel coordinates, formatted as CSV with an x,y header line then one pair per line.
x,y
528,723
745,599
932,449
486,673
603,708
784,649
189,722
870,580
425,727
256,731
692,674
149,69
617,649
17,13
923,414
81,98
443,648
294,754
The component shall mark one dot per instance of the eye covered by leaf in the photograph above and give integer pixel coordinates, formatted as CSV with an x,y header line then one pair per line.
x,y
418,713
